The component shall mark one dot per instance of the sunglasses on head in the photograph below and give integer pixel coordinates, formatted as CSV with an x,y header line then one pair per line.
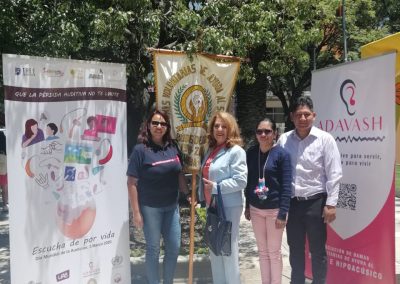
x,y
265,131
157,123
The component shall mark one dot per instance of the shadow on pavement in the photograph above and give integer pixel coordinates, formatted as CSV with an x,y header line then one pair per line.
x,y
201,267
201,272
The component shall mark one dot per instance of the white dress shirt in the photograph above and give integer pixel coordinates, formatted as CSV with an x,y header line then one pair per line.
x,y
316,164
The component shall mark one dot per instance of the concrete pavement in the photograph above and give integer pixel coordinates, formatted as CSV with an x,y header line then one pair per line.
x,y
250,271
249,265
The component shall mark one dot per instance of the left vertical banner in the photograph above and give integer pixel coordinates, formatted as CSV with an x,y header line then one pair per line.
x,y
67,157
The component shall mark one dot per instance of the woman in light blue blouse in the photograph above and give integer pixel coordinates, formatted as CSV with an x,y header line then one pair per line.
x,y
225,165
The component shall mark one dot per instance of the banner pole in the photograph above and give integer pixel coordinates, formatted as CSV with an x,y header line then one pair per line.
x,y
192,221
344,29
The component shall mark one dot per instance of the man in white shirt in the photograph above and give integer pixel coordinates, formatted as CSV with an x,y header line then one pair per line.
x,y
317,172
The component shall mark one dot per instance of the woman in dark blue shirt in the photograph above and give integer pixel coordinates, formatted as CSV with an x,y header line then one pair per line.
x,y
268,193
154,179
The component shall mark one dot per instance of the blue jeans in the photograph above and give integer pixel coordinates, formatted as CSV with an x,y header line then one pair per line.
x,y
163,221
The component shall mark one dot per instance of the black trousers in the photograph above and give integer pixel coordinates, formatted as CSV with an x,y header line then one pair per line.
x,y
305,218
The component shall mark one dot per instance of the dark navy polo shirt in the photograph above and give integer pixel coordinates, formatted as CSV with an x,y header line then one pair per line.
x,y
157,170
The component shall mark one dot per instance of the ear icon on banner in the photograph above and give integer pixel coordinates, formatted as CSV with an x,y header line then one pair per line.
x,y
347,93
28,169
109,154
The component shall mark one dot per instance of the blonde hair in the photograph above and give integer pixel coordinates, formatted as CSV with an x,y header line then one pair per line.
x,y
233,131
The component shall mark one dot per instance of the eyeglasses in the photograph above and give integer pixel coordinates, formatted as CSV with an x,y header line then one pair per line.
x,y
157,123
265,131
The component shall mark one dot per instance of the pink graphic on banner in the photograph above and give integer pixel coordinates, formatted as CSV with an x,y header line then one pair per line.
x,y
357,259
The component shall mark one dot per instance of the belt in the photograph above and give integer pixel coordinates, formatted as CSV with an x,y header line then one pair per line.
x,y
312,197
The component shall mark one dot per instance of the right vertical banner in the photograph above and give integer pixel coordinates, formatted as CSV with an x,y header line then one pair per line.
x,y
354,102
389,43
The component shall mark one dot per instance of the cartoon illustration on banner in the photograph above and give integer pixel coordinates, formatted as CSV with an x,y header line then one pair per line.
x,y
70,165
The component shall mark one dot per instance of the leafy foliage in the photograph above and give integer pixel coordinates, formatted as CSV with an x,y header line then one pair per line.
x,y
280,41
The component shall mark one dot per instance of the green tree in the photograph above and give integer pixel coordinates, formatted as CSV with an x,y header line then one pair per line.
x,y
389,14
111,31
280,41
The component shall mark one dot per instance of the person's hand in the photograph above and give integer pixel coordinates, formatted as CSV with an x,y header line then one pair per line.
x,y
280,224
138,220
208,185
189,199
329,214
76,122
247,214
34,133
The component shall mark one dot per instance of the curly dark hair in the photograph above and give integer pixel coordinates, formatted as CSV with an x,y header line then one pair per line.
x,y
145,134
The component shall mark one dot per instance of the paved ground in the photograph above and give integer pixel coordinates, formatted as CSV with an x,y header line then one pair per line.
x,y
4,250
250,272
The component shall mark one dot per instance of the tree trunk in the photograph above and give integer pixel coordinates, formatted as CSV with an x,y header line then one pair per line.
x,y
250,107
135,110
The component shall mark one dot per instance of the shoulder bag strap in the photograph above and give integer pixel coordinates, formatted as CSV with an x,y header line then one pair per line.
x,y
220,203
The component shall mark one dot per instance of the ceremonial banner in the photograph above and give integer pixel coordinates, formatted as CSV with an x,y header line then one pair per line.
x,y
66,154
190,90
354,102
389,43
